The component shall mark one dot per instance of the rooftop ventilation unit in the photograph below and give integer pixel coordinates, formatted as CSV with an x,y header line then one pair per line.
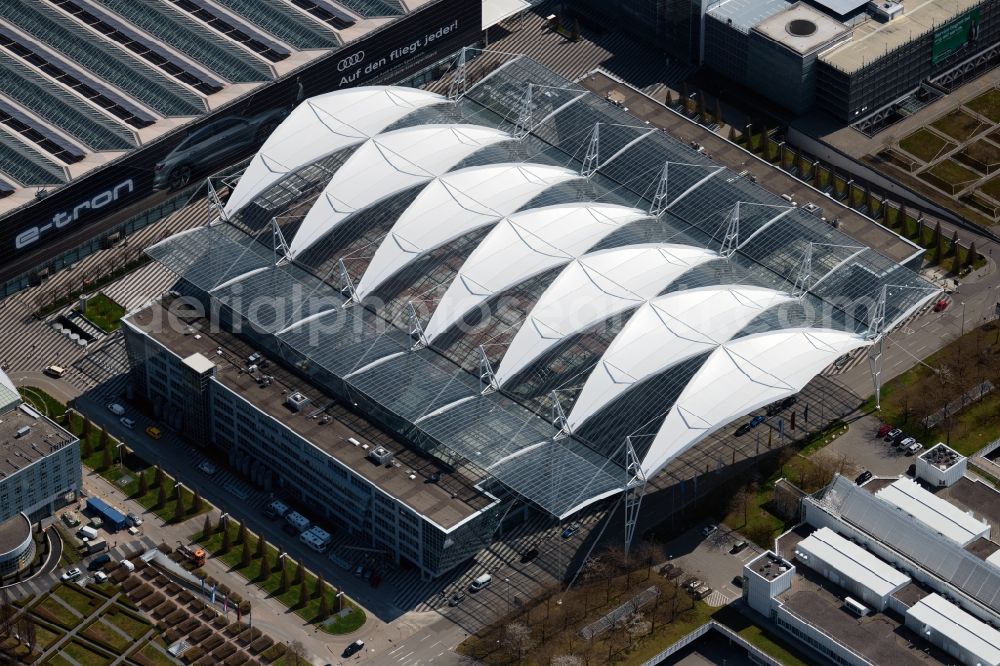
x,y
381,455
886,11
296,401
22,431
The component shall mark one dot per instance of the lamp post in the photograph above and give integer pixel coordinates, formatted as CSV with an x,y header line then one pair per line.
x,y
963,317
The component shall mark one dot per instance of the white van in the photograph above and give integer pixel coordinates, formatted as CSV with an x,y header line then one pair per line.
x,y
55,371
116,409
855,607
481,583
87,532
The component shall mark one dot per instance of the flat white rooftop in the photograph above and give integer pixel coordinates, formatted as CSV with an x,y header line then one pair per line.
x,y
938,514
937,614
851,561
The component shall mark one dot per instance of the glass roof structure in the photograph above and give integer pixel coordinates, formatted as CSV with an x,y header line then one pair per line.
x,y
285,23
454,265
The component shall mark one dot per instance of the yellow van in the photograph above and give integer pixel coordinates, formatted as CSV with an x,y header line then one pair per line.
x,y
154,432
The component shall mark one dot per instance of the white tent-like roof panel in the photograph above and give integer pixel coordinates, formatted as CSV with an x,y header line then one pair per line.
x,y
319,127
937,513
741,376
387,164
453,205
955,626
851,561
665,331
591,289
522,246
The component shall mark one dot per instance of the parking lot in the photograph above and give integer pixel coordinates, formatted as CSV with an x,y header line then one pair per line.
x,y
861,445
711,559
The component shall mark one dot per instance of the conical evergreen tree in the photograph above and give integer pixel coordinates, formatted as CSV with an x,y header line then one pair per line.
x,y
227,541
206,529
303,596
324,608
954,244
320,584
286,581
970,259
143,484
246,555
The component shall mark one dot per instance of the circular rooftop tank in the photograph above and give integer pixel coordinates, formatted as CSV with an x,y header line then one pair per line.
x,y
800,27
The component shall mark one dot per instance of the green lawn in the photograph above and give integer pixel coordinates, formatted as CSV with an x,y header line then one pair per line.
x,y
952,173
133,625
53,611
43,402
991,188
43,637
104,312
99,632
780,649
987,104
84,655
925,144
667,635
154,656
958,124
81,602
983,156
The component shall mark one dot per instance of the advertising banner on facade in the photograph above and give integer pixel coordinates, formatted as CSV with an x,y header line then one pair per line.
x,y
234,131
952,36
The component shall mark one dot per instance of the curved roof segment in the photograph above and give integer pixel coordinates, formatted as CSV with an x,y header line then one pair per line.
x,y
741,376
321,126
522,246
593,288
668,330
452,206
387,164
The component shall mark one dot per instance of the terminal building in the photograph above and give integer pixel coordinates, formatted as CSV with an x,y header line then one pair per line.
x,y
517,285
39,461
888,572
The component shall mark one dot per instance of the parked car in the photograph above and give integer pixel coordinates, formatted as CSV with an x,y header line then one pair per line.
x,y
905,443
738,581
99,562
127,422
884,430
738,547
529,555
693,584
743,429
116,409
456,599
913,448
133,519
864,476
101,577
570,530
71,574
359,570
353,648
56,371
941,305
893,435
757,420
207,467
708,529
702,592
154,432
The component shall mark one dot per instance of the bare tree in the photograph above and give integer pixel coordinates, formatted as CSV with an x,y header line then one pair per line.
x,y
516,639
298,652
567,660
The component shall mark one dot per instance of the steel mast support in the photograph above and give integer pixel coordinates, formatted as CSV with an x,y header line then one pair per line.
x,y
346,284
731,239
486,374
635,489
805,272
416,330
558,416
523,125
279,244
214,201
456,90
876,333
590,160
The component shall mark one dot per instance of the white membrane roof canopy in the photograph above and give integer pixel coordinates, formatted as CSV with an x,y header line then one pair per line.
x,y
453,205
387,164
591,289
741,376
319,127
665,331
524,245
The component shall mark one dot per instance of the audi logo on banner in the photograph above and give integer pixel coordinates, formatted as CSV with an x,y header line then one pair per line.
x,y
350,61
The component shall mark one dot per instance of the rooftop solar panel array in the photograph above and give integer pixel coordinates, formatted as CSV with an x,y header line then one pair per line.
x,y
369,8
110,24
235,29
106,61
327,12
285,23
61,108
39,133
225,59
26,165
